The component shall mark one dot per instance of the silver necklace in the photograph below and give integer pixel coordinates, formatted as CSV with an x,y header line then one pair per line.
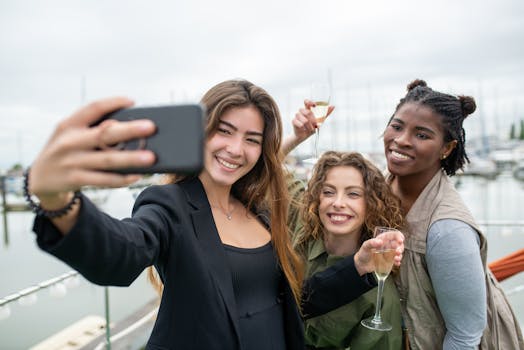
x,y
229,215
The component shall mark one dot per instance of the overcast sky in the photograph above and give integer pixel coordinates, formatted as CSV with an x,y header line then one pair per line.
x,y
56,55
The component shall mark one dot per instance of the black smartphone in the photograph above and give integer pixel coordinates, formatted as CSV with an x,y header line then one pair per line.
x,y
178,140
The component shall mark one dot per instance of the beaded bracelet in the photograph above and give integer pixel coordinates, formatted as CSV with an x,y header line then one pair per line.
x,y
36,208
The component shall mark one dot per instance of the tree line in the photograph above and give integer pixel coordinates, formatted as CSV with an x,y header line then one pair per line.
x,y
513,135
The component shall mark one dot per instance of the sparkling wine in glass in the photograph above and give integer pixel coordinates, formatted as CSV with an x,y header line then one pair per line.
x,y
383,260
320,111
321,95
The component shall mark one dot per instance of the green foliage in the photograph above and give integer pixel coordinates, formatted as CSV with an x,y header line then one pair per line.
x,y
512,132
16,167
521,136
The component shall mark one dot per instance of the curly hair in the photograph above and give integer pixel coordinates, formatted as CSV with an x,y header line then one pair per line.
x,y
452,110
382,206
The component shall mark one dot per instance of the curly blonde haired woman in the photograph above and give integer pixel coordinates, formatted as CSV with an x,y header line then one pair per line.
x,y
345,198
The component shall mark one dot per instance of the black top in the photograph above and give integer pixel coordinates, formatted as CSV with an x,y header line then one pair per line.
x,y
256,284
172,228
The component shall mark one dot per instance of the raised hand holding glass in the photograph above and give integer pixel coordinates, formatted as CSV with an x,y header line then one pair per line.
x,y
383,258
321,96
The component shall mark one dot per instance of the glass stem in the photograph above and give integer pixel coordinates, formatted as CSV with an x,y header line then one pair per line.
x,y
378,318
316,142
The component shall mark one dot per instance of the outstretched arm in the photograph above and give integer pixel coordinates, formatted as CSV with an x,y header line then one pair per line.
x,y
70,158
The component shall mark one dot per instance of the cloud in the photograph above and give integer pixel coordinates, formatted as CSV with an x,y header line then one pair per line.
x,y
55,58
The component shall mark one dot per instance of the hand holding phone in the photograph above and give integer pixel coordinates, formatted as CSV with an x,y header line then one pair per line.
x,y
177,142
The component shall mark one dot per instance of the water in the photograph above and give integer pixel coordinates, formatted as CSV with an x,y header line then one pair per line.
x,y
500,199
22,264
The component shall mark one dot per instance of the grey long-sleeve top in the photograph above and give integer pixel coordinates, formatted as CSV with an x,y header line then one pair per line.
x,y
457,274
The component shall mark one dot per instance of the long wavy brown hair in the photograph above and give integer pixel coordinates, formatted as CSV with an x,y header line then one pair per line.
x,y
382,206
263,189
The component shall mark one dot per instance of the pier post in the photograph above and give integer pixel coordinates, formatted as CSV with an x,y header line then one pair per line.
x,y
108,331
4,210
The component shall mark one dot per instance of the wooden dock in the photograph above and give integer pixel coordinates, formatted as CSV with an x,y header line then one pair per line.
x,y
89,333
76,336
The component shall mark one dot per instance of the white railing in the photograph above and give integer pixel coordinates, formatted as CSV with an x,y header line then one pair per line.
x,y
28,295
501,223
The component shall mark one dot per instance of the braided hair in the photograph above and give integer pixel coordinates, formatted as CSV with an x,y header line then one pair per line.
x,y
452,110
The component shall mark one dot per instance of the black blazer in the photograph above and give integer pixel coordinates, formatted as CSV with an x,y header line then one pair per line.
x,y
172,228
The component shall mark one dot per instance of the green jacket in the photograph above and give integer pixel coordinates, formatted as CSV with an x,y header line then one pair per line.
x,y
341,328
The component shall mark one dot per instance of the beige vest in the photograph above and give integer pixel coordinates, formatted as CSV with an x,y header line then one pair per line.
x,y
422,317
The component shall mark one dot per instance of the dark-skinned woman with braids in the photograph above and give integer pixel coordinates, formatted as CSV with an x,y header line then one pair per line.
x,y
449,298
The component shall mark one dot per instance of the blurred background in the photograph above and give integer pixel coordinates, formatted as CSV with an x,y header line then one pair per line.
x,y
58,55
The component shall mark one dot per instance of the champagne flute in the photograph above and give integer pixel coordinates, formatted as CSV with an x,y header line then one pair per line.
x,y
383,258
321,95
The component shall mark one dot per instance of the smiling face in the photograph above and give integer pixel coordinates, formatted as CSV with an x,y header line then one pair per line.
x,y
342,207
414,142
234,148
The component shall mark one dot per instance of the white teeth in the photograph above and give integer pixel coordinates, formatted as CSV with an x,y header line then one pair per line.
x,y
227,164
338,217
399,155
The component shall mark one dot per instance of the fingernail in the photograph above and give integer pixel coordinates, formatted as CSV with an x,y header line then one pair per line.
x,y
146,125
146,156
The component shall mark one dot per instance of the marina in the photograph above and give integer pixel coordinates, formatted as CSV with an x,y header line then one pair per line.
x,y
495,202
63,61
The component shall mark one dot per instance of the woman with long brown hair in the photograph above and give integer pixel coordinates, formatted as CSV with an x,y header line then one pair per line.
x,y
218,240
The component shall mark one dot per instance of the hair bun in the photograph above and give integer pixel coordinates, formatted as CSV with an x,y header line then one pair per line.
x,y
468,105
415,83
